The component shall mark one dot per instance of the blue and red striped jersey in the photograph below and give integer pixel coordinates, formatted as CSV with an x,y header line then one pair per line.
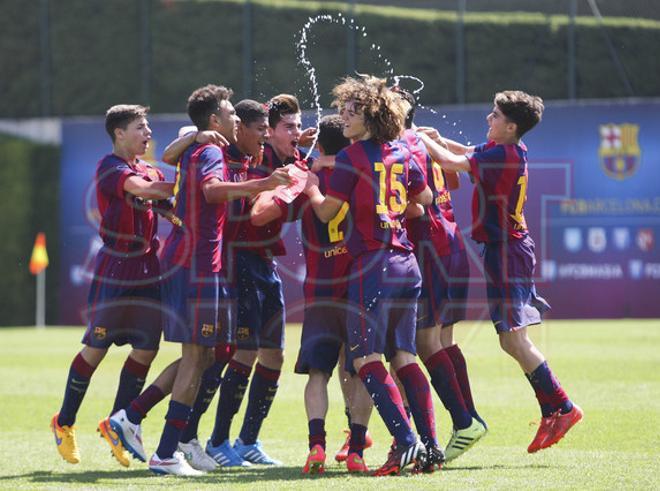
x,y
498,201
376,179
265,240
324,245
196,244
437,226
128,223
236,170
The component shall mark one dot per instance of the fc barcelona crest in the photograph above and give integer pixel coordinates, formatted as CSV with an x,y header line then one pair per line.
x,y
619,149
208,330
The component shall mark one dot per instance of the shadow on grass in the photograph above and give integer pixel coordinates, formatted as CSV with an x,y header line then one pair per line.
x,y
228,476
496,466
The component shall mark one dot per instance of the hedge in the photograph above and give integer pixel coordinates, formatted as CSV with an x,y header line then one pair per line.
x,y
30,203
104,52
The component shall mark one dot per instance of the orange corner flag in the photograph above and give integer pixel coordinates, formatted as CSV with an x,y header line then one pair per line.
x,y
39,259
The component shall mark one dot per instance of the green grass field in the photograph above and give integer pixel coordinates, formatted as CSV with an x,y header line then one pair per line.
x,y
611,368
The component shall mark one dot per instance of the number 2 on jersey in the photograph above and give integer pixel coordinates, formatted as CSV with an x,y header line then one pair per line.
x,y
397,201
334,234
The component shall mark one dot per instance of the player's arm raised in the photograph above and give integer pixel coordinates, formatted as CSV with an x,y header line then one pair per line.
x,y
148,189
217,191
175,149
446,159
265,209
451,145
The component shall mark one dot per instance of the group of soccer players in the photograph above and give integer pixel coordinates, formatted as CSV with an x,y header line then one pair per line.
x,y
386,274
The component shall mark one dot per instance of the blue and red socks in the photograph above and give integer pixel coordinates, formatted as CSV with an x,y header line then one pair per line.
x,y
445,383
210,381
316,432
137,410
358,439
549,394
262,393
175,422
77,382
460,367
232,392
388,402
420,401
131,382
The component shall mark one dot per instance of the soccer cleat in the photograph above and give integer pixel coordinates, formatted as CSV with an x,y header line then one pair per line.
x,y
315,461
118,450
225,455
254,453
561,423
541,435
342,453
130,434
435,457
196,456
462,440
400,457
355,464
65,439
175,465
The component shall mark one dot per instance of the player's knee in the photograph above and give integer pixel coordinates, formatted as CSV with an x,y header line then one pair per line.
x,y
271,358
145,357
245,357
511,344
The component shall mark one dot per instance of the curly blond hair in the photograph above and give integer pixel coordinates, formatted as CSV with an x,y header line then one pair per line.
x,y
383,110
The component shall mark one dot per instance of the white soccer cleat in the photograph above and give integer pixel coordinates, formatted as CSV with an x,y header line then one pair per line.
x,y
130,434
175,466
197,457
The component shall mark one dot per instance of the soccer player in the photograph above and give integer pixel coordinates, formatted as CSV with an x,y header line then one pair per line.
x,y
499,168
375,177
324,327
124,298
250,136
195,303
260,319
443,262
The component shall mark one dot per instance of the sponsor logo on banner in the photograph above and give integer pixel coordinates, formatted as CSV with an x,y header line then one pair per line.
x,y
621,238
635,268
596,239
548,269
652,270
590,271
645,239
619,150
573,239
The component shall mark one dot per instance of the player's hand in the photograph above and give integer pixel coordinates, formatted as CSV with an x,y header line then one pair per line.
x,y
433,134
312,181
322,162
307,137
213,137
279,177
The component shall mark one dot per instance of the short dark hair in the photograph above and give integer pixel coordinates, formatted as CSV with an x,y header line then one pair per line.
x,y
250,111
206,101
410,99
281,105
520,108
331,134
121,115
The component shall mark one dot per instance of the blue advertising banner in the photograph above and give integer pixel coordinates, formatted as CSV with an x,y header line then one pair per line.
x,y
593,207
